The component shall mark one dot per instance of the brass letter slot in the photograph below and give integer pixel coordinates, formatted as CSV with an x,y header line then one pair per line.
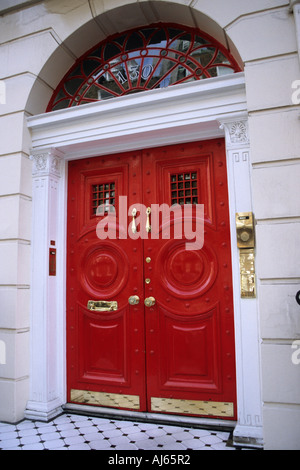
x,y
246,245
102,305
247,270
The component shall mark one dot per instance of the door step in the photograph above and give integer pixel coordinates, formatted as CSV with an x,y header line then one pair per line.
x,y
194,422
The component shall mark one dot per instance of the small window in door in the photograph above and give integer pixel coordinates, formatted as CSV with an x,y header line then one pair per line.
x,y
104,195
184,188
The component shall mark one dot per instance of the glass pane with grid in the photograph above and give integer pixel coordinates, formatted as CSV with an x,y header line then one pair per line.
x,y
103,195
184,188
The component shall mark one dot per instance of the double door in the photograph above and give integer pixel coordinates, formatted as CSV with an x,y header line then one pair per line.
x,y
149,313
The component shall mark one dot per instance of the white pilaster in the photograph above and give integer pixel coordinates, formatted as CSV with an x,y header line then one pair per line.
x,y
248,430
45,381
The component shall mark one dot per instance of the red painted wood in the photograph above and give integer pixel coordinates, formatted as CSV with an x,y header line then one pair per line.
x,y
105,349
183,347
190,331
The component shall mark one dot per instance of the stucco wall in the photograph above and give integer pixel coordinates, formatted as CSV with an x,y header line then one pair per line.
x,y
39,42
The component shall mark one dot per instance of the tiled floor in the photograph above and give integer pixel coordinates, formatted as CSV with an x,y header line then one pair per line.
x,y
75,432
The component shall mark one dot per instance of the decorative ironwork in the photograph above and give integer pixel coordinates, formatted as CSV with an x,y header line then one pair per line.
x,y
152,57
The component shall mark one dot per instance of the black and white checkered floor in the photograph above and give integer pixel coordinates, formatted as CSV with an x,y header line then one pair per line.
x,y
75,432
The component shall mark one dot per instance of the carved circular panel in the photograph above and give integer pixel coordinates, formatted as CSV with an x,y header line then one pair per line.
x,y
104,270
186,273
101,270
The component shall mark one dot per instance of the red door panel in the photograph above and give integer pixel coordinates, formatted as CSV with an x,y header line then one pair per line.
x,y
190,329
189,351
105,349
176,356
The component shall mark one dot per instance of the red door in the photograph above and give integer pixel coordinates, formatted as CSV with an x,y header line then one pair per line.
x,y
150,322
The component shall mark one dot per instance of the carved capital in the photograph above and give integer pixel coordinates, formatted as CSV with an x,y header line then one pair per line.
x,y
46,163
236,132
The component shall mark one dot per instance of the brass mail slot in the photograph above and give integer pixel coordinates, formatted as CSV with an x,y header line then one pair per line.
x,y
102,305
247,272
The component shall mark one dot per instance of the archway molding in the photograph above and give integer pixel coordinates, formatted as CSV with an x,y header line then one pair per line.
x,y
101,24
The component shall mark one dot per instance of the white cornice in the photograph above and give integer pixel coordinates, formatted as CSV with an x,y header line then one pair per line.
x,y
184,92
185,109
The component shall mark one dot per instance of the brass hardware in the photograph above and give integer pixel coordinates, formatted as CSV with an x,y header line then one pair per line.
x,y
134,300
148,226
247,270
245,229
147,281
194,407
106,399
102,305
148,260
150,301
246,245
133,225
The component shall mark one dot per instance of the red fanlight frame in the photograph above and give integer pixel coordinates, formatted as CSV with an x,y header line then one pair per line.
x,y
146,58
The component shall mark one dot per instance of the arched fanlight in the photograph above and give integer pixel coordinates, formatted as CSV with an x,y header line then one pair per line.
x,y
142,59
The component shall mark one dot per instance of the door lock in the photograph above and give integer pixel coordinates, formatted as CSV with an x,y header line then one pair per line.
x,y
150,301
134,300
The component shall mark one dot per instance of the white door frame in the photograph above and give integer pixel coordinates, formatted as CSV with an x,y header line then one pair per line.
x,y
189,112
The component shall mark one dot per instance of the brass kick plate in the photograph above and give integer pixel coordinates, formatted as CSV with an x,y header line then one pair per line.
x,y
194,407
102,305
114,400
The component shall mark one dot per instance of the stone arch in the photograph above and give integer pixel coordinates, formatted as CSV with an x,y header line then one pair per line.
x,y
116,20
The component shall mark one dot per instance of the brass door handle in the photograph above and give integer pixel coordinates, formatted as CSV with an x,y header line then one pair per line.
x,y
133,225
134,300
148,226
150,301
